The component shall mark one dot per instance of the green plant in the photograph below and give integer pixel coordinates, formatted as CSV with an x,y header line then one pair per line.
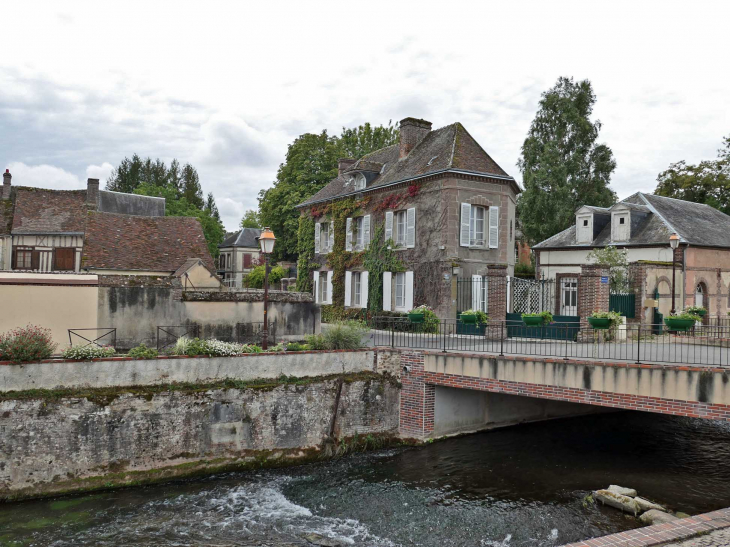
x,y
211,348
695,310
332,313
82,353
30,343
617,261
685,315
547,317
296,346
524,270
341,335
316,342
255,279
431,321
378,258
614,317
482,317
142,352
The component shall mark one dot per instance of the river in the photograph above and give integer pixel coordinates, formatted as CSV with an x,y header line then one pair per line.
x,y
519,486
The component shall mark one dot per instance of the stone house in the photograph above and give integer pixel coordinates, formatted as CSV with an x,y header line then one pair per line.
x,y
239,253
445,205
43,230
642,224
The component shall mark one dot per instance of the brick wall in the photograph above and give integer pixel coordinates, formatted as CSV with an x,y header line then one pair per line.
x,y
592,293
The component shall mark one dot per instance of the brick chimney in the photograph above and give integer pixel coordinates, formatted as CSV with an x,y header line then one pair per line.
x,y
7,177
92,192
412,131
344,163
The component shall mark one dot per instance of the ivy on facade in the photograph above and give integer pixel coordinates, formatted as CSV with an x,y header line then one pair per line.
x,y
378,258
305,248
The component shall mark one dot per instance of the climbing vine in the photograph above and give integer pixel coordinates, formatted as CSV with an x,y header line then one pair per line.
x,y
339,259
305,248
378,258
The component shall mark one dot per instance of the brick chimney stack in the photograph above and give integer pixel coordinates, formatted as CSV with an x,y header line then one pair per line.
x,y
7,177
92,192
412,131
344,163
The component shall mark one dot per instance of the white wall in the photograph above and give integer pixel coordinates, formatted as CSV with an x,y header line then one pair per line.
x,y
569,261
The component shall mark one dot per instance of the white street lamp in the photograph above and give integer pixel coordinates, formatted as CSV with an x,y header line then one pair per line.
x,y
266,242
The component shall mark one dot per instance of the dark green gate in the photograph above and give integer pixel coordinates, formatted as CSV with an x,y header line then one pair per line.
x,y
623,303
563,327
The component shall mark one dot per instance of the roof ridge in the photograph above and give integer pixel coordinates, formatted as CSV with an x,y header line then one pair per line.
x,y
677,199
661,217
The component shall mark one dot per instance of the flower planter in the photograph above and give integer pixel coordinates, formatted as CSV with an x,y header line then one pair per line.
x,y
468,319
536,321
701,313
679,324
416,317
600,323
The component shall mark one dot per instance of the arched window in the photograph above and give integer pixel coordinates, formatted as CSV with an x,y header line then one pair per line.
x,y
359,181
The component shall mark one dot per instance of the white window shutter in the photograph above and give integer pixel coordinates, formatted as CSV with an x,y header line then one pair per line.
x,y
465,217
348,288
316,286
387,291
331,243
409,291
316,237
411,228
476,291
348,235
366,232
364,289
329,287
388,225
493,227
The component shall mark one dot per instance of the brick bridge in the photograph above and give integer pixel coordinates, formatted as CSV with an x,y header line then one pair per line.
x,y
446,393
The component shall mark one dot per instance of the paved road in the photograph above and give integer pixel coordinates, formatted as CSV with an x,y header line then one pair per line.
x,y
718,538
662,349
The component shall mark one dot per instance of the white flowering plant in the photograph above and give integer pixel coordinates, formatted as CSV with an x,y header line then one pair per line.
x,y
91,351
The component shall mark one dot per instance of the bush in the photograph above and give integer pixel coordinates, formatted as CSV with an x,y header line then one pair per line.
x,y
431,321
685,315
296,346
524,270
212,348
695,310
84,353
482,317
614,316
143,352
29,343
255,279
342,335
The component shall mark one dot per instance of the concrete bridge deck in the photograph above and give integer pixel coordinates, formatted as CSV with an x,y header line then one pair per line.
x,y
446,393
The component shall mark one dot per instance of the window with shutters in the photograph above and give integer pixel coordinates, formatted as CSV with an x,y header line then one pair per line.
x,y
479,226
400,229
64,259
356,290
476,226
324,237
359,232
400,290
322,288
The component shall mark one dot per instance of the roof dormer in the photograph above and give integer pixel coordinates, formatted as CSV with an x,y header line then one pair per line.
x,y
589,221
625,220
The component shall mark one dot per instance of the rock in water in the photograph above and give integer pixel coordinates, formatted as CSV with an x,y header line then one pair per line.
x,y
646,505
619,501
322,541
654,516
630,492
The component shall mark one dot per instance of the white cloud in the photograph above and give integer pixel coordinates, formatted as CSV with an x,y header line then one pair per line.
x,y
44,176
100,172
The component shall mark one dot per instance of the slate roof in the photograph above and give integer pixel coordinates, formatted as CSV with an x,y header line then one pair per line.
x,y
658,218
126,242
41,211
243,238
451,147
131,204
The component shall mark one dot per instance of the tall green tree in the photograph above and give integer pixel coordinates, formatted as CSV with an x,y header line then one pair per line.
x,y
562,166
250,219
707,182
127,176
190,186
311,162
211,208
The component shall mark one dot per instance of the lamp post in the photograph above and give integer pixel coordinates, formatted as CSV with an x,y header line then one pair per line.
x,y
266,242
673,243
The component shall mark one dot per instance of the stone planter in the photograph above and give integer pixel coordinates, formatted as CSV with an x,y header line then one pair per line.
x,y
681,325
599,323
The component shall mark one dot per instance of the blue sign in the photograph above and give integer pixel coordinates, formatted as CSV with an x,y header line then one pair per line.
x,y
604,279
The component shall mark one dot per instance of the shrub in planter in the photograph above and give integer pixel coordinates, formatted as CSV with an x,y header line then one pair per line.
x,y
84,353
696,310
681,321
429,320
537,319
604,319
474,316
143,352
29,343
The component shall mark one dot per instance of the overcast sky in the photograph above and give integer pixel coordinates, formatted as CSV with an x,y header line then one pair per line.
x,y
227,85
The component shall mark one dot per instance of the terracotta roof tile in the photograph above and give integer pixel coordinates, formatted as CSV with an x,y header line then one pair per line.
x,y
125,242
40,211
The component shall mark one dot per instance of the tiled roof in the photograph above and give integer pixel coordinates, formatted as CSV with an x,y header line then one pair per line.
x,y
451,147
658,217
125,242
40,211
243,238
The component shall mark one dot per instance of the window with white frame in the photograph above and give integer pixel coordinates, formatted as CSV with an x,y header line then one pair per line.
x,y
400,226
322,288
356,290
359,232
400,229
476,226
479,226
400,290
324,236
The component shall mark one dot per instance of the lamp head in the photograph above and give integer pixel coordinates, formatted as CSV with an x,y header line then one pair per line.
x,y
266,241
674,241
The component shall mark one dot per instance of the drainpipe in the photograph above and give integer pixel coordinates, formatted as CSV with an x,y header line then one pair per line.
x,y
684,276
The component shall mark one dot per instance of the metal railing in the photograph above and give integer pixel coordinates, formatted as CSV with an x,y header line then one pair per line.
x,y
107,335
703,344
250,333
168,336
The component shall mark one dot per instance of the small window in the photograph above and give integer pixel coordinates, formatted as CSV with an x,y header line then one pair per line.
x,y
356,290
247,260
359,181
517,253
476,226
622,220
400,228
24,260
359,233
585,222
400,290
323,286
324,236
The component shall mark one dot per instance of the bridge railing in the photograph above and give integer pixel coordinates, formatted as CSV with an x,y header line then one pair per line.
x,y
700,345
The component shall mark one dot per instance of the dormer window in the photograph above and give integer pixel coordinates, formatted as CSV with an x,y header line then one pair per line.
x,y
620,226
584,228
359,181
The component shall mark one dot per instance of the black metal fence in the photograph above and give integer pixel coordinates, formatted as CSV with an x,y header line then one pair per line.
x,y
705,345
88,337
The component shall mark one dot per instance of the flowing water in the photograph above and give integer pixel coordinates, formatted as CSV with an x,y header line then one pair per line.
x,y
518,486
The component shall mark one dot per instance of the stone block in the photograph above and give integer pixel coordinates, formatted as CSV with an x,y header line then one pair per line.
x,y
624,503
654,516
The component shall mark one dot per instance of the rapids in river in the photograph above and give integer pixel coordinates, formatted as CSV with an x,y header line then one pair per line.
x,y
522,486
